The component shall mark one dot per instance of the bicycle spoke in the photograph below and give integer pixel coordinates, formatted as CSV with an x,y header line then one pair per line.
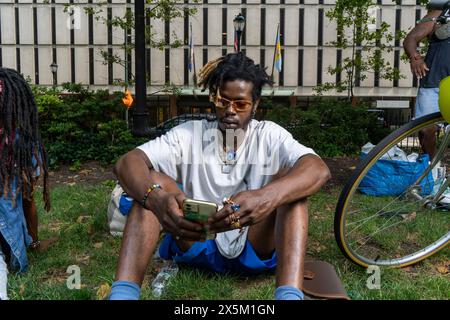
x,y
374,215
371,236
378,231
403,227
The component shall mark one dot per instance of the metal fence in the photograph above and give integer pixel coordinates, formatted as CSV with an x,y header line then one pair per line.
x,y
34,34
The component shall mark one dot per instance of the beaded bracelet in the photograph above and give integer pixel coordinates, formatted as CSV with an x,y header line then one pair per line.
x,y
149,190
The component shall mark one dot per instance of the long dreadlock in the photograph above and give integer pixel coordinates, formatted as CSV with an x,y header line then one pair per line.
x,y
231,67
20,139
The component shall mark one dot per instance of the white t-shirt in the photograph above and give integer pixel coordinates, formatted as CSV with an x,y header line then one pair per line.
x,y
190,154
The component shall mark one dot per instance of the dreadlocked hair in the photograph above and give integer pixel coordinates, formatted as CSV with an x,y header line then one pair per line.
x,y
233,66
20,140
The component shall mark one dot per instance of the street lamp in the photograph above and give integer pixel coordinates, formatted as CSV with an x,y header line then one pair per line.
x,y
54,69
239,24
140,112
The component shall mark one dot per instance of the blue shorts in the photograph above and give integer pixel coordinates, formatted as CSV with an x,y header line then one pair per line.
x,y
206,255
125,204
427,102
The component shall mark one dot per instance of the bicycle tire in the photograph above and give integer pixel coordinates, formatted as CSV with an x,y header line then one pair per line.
x,y
350,189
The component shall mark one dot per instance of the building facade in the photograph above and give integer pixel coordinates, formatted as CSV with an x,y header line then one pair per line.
x,y
36,33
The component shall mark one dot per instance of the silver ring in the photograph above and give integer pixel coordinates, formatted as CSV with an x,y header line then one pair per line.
x,y
177,238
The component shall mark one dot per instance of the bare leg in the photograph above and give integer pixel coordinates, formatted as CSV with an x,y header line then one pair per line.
x,y
31,217
139,241
291,233
427,138
288,236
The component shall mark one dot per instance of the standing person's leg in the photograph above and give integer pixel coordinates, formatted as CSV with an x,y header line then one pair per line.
x,y
31,217
427,138
3,277
427,102
140,237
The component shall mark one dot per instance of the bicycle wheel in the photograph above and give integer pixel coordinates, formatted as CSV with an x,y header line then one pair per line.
x,y
402,228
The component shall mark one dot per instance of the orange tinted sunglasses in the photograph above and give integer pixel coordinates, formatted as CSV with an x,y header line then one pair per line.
x,y
238,105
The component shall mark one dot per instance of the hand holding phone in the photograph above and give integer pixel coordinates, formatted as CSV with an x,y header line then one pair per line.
x,y
198,210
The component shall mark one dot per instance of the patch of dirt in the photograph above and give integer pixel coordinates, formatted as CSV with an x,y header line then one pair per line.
x,y
341,169
92,173
443,267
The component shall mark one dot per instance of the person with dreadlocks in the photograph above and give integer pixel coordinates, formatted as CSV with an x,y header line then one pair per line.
x,y
254,170
22,160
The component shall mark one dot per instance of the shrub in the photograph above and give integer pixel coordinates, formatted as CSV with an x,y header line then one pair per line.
x,y
82,125
332,127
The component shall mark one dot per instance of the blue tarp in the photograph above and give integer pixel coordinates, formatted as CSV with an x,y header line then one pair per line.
x,y
393,177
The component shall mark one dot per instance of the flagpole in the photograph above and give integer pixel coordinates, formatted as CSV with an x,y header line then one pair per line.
x,y
193,60
191,49
275,52
126,76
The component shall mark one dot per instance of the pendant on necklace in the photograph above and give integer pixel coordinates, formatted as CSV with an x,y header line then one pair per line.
x,y
231,156
226,168
230,159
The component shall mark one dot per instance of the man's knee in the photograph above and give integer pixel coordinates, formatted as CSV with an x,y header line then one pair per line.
x,y
297,207
140,219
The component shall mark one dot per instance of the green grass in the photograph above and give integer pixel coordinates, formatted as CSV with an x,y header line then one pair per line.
x,y
393,226
78,218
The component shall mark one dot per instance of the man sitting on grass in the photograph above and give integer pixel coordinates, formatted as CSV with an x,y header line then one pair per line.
x,y
255,169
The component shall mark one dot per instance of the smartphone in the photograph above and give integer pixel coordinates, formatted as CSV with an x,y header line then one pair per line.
x,y
198,210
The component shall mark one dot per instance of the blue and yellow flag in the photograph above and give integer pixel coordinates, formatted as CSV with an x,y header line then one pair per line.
x,y
278,59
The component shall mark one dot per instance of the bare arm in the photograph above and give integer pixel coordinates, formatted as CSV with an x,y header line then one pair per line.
x,y
305,178
136,174
412,41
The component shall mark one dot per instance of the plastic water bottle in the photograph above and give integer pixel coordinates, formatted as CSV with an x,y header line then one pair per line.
x,y
169,270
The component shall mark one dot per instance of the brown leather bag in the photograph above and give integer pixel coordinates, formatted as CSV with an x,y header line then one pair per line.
x,y
321,282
